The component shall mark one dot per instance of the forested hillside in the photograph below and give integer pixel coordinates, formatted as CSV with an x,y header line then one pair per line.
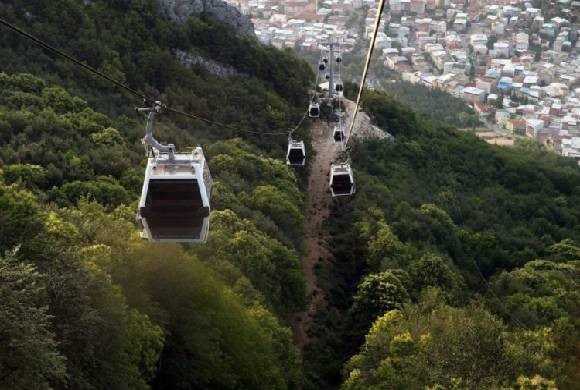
x,y
458,264
85,304
433,103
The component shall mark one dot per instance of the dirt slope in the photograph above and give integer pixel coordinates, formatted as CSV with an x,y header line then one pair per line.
x,y
318,202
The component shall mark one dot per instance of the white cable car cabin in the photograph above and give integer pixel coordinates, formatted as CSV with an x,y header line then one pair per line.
x,y
175,199
314,110
296,155
338,134
341,180
339,88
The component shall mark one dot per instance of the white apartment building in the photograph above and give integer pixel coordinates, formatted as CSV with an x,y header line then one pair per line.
x,y
522,42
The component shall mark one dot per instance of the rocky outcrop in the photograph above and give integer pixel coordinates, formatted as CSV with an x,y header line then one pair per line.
x,y
193,59
179,10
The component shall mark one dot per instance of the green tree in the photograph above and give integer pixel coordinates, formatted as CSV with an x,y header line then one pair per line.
x,y
434,345
432,271
28,175
209,331
376,295
537,294
565,250
490,41
29,355
20,218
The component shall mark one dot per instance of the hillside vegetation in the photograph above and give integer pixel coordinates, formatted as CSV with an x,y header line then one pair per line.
x,y
435,104
85,303
458,264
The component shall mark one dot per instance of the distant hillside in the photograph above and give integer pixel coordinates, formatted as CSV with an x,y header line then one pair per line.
x,y
435,104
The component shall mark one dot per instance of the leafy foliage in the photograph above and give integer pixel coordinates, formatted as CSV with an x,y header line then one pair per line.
x,y
432,104
436,346
111,312
437,208
376,294
461,258
29,357
103,285
430,101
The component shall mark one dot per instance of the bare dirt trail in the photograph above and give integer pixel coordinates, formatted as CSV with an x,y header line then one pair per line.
x,y
318,203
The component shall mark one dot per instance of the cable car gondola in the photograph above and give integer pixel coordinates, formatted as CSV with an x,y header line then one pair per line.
x,y
341,180
314,110
338,134
296,155
175,199
338,87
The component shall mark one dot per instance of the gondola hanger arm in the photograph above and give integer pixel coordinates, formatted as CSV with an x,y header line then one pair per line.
x,y
149,140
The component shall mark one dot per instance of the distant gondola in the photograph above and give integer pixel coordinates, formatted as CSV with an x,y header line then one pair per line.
x,y
314,110
338,134
339,88
341,180
296,155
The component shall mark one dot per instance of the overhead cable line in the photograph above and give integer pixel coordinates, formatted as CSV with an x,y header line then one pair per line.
x,y
308,109
513,316
367,63
341,125
223,125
